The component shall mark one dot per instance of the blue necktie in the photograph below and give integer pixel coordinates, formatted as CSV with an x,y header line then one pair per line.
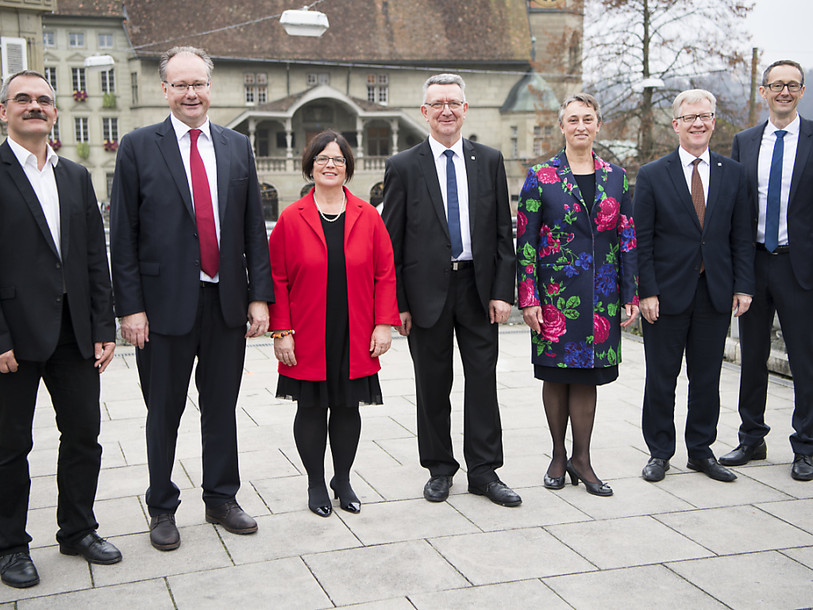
x,y
774,193
453,204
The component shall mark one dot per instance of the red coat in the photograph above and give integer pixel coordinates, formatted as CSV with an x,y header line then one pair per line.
x,y
299,266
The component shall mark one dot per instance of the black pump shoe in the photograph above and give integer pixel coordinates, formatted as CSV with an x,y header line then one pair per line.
x,y
553,482
319,501
597,489
347,497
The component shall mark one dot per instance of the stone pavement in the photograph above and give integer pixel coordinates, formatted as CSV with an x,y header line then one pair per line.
x,y
687,542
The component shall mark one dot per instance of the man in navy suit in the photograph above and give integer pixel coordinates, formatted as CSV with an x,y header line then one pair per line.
x,y
695,264
778,159
446,208
190,266
56,325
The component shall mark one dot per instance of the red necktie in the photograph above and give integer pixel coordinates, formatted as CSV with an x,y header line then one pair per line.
x,y
204,215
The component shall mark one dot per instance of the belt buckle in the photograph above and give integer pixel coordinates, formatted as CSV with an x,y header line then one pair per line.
x,y
455,265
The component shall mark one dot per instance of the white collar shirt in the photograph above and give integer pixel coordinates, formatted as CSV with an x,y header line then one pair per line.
x,y
207,153
791,143
44,184
459,161
703,168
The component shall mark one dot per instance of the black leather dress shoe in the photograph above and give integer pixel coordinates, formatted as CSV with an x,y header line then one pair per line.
x,y
437,488
744,454
93,548
498,492
802,469
233,518
17,570
164,534
711,468
655,469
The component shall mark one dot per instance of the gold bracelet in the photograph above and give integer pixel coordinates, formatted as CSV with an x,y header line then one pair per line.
x,y
279,334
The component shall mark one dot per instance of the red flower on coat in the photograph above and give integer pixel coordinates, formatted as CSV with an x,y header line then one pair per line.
x,y
553,288
549,244
522,222
607,216
553,323
526,293
601,329
547,175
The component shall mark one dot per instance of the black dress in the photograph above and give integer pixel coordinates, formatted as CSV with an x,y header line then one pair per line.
x,y
338,390
598,376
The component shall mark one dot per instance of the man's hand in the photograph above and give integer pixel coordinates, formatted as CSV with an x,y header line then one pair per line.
x,y
284,350
406,324
650,309
257,318
8,363
498,311
740,304
632,314
532,316
380,340
104,354
135,329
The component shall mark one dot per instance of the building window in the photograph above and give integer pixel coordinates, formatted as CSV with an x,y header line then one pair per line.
x,y
317,78
49,39
108,81
108,177
514,142
134,86
55,133
110,129
378,141
537,140
256,87
79,79
378,88
76,40
80,129
50,76
105,41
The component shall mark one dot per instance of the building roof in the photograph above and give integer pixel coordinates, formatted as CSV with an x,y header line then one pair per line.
x,y
89,8
398,31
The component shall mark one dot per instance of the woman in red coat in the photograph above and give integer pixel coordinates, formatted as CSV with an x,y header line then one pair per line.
x,y
334,282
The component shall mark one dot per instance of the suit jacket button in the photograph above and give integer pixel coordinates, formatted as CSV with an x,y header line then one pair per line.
x,y
59,299
197,263
58,266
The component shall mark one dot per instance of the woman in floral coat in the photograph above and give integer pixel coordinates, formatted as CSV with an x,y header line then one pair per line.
x,y
576,272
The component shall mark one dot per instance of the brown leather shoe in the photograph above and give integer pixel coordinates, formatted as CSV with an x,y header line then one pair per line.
x,y
233,518
164,534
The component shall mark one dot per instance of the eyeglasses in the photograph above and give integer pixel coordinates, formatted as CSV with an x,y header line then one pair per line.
x,y
453,105
779,85
24,100
183,87
706,117
323,159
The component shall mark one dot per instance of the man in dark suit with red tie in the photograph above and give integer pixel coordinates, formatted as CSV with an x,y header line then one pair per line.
x,y
695,265
778,159
190,267
446,208
56,325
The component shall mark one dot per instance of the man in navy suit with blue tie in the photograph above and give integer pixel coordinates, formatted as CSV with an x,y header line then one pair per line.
x,y
778,158
695,265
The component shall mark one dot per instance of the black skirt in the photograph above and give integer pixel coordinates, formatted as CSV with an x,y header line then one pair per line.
x,y
556,374
338,390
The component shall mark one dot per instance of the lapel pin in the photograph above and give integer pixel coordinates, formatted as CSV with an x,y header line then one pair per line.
x,y
719,164
472,157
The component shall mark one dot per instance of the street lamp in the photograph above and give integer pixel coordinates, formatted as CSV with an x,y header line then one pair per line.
x,y
304,22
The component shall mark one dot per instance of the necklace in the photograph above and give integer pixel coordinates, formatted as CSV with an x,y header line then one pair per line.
x,y
322,214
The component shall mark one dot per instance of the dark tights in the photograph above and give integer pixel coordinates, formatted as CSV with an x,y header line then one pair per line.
x,y
578,404
311,430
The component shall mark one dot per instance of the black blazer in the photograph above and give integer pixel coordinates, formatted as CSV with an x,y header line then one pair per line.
x,y
416,220
671,243
33,279
155,254
800,203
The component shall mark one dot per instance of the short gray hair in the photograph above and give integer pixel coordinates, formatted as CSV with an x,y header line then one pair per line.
x,y
445,79
692,96
584,98
7,83
167,55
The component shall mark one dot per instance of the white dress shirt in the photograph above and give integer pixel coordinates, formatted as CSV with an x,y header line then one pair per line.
x,y
44,185
764,171
703,168
462,188
207,153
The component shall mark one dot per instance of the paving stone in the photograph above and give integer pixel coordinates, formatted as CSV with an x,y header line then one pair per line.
x,y
151,594
508,596
631,497
736,529
700,491
778,477
642,587
496,557
383,572
632,541
396,603
754,580
795,512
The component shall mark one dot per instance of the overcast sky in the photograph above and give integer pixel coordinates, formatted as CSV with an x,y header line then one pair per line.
x,y
781,29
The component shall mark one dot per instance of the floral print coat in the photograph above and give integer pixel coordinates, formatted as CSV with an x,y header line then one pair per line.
x,y
580,267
